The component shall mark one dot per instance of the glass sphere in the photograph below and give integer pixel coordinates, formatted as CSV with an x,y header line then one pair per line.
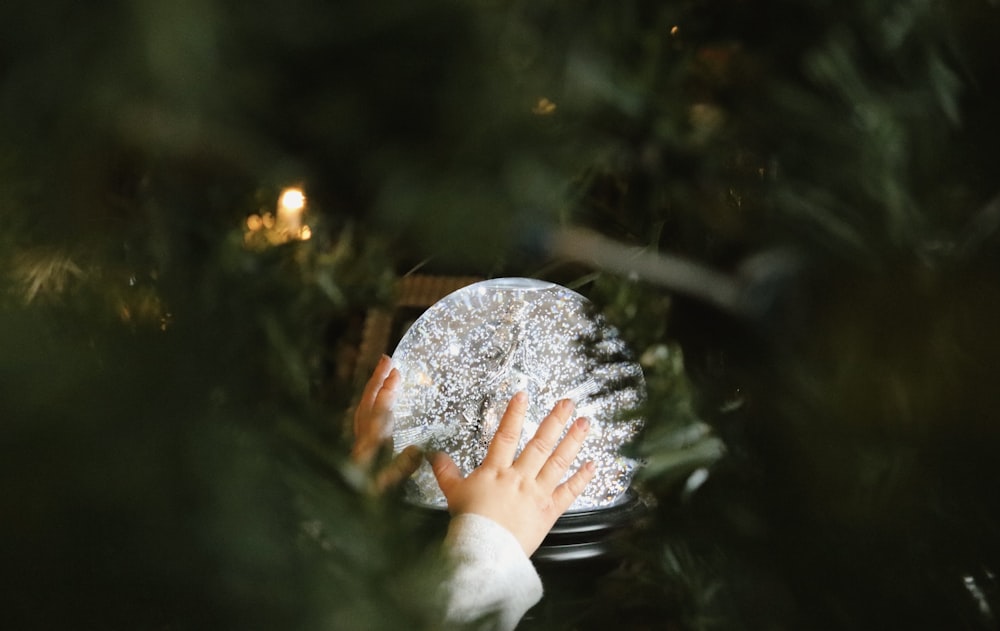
x,y
470,352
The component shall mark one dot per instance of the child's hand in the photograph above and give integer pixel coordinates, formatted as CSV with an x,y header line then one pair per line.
x,y
523,496
373,427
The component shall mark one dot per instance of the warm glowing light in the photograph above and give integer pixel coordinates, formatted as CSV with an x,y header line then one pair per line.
x,y
292,199
544,107
674,30
290,207
283,224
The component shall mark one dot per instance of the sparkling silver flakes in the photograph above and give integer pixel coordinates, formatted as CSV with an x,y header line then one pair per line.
x,y
467,355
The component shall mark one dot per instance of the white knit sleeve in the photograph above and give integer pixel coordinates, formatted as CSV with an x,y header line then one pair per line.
x,y
490,573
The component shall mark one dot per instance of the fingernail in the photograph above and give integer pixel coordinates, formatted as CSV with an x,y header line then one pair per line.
x,y
590,466
583,423
521,396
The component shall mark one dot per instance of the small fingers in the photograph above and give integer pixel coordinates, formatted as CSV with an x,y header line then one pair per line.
x,y
400,468
382,407
373,427
508,435
540,447
559,462
445,470
369,394
567,492
373,422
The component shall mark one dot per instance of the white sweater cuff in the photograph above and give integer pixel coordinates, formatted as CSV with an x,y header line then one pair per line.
x,y
490,573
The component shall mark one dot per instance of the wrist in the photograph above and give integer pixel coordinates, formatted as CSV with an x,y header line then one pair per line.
x,y
525,540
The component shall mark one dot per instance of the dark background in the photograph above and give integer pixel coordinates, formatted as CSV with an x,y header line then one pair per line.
x,y
172,400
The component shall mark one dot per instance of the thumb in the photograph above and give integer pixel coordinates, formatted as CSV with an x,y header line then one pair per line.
x,y
445,471
399,469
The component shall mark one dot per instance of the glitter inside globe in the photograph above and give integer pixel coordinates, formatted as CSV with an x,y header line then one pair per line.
x,y
470,352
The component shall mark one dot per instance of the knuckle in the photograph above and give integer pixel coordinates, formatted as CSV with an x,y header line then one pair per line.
x,y
409,460
439,463
541,446
560,461
573,487
576,485
506,436
563,497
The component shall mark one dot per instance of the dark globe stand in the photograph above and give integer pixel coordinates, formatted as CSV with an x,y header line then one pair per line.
x,y
589,536
580,539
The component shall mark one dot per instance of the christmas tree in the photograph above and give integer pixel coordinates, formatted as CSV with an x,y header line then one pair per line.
x,y
788,209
